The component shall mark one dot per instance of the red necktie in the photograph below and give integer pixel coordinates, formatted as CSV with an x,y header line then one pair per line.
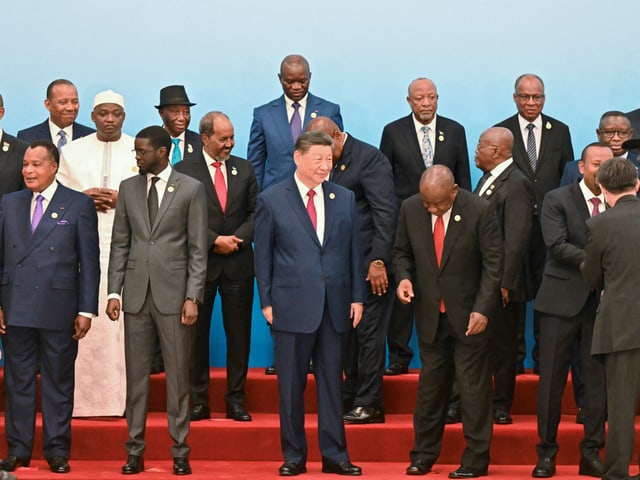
x,y
311,209
596,206
438,243
221,187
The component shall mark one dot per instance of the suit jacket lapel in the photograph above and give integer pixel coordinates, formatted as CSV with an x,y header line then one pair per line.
x,y
202,174
312,107
453,229
280,121
53,215
170,192
141,195
329,209
578,199
411,141
232,181
300,210
518,144
546,137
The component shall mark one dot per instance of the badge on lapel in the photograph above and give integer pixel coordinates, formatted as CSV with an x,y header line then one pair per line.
x,y
171,188
5,147
440,136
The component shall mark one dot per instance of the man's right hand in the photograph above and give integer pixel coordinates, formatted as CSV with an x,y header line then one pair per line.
x,y
226,244
405,291
113,309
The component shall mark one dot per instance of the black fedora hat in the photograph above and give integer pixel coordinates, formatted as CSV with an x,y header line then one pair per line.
x,y
174,95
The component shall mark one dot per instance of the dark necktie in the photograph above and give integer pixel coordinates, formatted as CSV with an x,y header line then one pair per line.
x,y
531,147
296,122
152,200
176,156
481,182
311,209
38,213
438,244
62,141
220,186
596,206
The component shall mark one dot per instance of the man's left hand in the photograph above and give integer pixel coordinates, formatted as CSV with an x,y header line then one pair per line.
x,y
356,313
377,277
477,323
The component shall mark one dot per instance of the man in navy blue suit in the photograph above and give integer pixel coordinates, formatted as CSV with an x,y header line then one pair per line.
x,y
49,264
61,127
310,272
277,124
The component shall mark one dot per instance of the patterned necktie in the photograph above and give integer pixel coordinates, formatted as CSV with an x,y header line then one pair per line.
x,y
296,122
152,200
220,186
311,209
438,244
596,206
531,147
62,141
38,213
427,148
176,156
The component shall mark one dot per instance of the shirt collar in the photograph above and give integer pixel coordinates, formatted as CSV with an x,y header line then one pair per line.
x,y
302,101
164,174
418,126
48,192
524,122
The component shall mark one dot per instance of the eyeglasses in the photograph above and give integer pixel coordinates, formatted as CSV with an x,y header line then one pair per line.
x,y
525,98
479,146
609,134
141,151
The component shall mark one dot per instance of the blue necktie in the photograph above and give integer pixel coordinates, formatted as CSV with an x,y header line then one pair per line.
x,y
176,156
62,141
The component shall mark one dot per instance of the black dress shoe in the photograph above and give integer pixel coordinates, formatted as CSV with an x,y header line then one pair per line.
x,y
12,462
181,466
453,415
396,369
545,468
342,468
418,467
580,417
238,413
502,417
290,469
468,472
199,412
135,464
59,464
362,415
270,370
591,467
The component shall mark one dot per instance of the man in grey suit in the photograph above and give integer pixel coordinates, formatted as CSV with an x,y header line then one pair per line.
x,y
609,262
158,261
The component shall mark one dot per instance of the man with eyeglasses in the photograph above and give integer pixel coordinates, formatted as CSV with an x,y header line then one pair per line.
x,y
542,147
613,131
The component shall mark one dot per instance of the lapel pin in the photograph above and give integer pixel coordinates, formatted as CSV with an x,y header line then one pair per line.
x,y
54,215
489,191
440,136
548,125
170,188
457,218
343,168
332,195
5,147
234,171
189,148
314,114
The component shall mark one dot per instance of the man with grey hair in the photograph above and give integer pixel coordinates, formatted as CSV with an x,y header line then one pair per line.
x,y
610,264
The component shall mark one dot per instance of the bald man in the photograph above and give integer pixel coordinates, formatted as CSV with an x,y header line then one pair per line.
x,y
364,170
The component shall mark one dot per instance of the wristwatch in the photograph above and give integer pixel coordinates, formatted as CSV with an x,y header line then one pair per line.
x,y
194,300
378,263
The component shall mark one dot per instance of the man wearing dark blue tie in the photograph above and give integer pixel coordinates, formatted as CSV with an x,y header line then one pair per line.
x,y
311,280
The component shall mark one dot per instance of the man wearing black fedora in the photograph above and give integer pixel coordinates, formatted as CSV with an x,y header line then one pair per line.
x,y
175,111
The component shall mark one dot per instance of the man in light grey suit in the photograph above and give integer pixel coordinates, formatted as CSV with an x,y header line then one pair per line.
x,y
158,261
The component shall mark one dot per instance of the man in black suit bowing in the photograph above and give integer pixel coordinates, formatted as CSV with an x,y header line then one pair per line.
x,y
567,307
542,147
611,263
364,170
232,190
411,144
61,126
11,155
455,264
511,195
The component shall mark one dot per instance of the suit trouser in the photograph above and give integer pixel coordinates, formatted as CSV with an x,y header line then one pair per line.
x,y
55,352
292,354
623,390
237,305
557,340
140,331
467,360
399,332
365,355
502,355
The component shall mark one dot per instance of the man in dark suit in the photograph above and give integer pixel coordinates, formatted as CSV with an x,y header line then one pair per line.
x,y
232,192
61,126
455,264
567,308
158,262
277,124
542,147
634,118
511,195
613,131
11,155
310,273
175,110
50,274
364,170
411,144
609,262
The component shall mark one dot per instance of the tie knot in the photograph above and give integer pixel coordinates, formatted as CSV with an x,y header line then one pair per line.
x,y
531,126
311,194
296,106
217,164
175,141
425,129
154,180
595,201
40,198
62,134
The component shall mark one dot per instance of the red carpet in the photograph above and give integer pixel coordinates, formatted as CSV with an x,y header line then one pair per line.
x,y
221,447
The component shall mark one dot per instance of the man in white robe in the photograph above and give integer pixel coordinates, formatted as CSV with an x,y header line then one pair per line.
x,y
95,165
